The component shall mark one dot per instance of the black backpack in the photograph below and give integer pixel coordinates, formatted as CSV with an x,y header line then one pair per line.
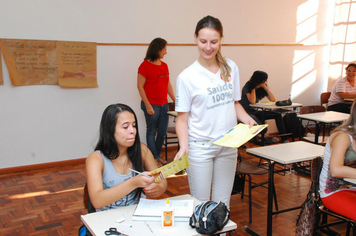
x,y
209,217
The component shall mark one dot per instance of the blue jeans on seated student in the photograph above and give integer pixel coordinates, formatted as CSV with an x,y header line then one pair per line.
x,y
156,127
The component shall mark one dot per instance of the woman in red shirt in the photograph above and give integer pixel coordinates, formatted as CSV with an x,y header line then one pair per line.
x,y
153,85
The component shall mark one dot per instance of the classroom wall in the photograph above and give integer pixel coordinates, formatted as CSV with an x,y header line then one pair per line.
x,y
40,124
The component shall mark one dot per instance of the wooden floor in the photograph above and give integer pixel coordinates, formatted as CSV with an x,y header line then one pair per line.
x,y
49,201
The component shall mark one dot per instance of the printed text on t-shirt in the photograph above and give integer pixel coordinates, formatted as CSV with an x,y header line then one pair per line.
x,y
220,93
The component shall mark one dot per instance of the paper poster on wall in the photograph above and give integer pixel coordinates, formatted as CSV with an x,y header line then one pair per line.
x,y
1,76
77,64
30,62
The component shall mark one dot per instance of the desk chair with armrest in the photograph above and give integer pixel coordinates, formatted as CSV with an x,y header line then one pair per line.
x,y
314,109
322,216
324,98
248,168
171,132
83,230
86,200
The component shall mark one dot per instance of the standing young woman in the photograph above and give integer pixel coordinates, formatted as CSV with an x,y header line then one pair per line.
x,y
110,182
153,85
208,92
339,163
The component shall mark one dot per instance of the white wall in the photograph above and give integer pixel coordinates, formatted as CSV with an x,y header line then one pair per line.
x,y
41,124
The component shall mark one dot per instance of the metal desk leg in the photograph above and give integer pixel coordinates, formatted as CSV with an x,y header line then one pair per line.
x,y
270,196
263,139
250,231
317,132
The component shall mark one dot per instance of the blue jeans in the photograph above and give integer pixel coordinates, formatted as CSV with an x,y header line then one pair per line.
x,y
156,127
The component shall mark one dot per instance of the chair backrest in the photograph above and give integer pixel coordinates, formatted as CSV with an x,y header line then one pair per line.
x,y
312,109
315,169
324,98
86,200
171,106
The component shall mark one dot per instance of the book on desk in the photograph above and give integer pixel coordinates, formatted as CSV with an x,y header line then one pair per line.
x,y
151,210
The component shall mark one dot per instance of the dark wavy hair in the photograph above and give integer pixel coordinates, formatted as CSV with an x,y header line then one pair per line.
x,y
153,49
257,78
351,64
107,143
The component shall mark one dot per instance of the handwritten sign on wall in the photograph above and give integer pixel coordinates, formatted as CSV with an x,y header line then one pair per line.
x,y
76,64
1,78
30,62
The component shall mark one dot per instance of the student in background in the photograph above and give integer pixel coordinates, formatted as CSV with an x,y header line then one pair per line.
x,y
110,182
339,163
255,90
208,92
153,85
343,88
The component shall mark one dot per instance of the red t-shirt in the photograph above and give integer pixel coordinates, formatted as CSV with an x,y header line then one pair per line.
x,y
157,79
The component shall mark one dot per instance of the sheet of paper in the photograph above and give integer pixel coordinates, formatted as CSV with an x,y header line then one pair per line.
x,y
238,135
171,168
149,207
267,103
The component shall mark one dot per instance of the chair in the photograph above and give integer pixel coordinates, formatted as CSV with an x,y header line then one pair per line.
x,y
313,109
171,132
86,200
322,216
324,98
248,168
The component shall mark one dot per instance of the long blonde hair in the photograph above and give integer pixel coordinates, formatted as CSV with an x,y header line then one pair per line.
x,y
214,23
349,125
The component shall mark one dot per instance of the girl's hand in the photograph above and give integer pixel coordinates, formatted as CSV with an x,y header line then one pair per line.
x,y
155,189
251,122
152,191
144,181
264,85
181,152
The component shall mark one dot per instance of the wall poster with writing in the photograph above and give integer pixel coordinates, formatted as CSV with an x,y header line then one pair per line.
x,y
77,64
30,62
1,76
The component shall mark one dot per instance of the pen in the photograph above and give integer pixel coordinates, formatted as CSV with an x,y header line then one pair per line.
x,y
149,227
138,172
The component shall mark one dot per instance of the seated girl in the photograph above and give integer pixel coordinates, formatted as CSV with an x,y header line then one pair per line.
x,y
255,90
110,182
339,163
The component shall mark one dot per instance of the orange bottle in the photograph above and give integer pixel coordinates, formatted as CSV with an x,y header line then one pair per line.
x,y
167,216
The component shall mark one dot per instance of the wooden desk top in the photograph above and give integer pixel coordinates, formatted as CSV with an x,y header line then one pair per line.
x,y
350,180
288,153
325,117
173,113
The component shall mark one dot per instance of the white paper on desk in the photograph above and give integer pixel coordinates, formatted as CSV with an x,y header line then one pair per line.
x,y
266,103
151,210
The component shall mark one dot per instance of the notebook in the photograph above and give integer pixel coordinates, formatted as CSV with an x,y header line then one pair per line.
x,y
151,210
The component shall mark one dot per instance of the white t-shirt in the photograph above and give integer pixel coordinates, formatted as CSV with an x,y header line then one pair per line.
x,y
208,99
